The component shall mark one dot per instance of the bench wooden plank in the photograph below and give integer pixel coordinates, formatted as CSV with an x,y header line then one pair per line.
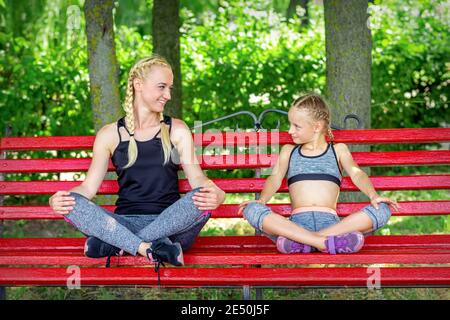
x,y
243,257
238,250
360,136
192,277
46,143
418,182
435,241
408,208
435,157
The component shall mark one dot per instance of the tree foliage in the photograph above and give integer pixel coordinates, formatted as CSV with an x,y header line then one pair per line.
x,y
241,55
411,66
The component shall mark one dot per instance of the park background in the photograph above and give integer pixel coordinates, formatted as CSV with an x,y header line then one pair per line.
x,y
227,56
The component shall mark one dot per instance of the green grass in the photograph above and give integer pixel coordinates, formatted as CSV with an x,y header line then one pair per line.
x,y
58,293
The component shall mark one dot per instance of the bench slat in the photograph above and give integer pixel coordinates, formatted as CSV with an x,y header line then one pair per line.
x,y
435,157
361,136
179,277
422,182
408,208
435,241
241,257
245,250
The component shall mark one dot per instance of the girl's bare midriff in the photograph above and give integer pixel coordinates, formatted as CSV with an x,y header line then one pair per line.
x,y
311,193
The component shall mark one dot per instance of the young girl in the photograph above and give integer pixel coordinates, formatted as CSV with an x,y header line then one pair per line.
x,y
314,172
151,219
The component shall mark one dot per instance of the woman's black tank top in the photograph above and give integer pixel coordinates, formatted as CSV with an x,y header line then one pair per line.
x,y
148,186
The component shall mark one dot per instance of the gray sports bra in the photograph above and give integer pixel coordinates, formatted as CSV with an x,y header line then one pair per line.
x,y
322,167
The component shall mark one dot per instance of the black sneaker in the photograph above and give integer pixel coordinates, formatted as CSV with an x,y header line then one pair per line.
x,y
162,251
96,248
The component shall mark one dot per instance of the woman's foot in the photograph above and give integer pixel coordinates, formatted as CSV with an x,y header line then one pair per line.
x,y
96,248
345,243
165,251
285,245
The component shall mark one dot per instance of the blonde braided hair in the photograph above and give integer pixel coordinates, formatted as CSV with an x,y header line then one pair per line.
x,y
318,109
139,71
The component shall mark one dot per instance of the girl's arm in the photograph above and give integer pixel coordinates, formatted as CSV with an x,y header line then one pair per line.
x,y
359,177
210,195
273,182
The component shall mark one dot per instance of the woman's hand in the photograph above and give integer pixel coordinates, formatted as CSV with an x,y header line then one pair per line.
x,y
245,203
61,202
209,197
376,199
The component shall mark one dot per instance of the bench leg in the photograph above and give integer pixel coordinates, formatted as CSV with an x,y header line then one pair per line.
x,y
246,292
259,294
2,289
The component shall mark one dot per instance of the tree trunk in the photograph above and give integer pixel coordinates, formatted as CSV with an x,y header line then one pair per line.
x,y
103,67
103,70
348,55
292,10
166,42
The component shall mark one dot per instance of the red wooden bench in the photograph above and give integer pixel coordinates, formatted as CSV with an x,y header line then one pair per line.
x,y
243,261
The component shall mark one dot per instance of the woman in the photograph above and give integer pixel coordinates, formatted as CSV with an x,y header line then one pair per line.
x,y
150,219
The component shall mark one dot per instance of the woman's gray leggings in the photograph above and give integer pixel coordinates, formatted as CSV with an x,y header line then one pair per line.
x,y
181,222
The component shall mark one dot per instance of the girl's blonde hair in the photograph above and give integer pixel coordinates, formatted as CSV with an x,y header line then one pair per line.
x,y
139,71
318,109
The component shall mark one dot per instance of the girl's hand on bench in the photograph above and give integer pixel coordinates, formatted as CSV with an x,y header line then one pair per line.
x,y
245,203
376,199
61,202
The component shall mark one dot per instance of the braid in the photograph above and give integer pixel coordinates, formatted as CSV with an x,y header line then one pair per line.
x,y
330,134
129,122
128,106
165,139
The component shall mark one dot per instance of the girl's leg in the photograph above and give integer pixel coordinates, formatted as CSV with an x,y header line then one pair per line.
x,y
276,224
358,221
177,218
294,238
92,220
366,221
262,218
316,220
310,220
